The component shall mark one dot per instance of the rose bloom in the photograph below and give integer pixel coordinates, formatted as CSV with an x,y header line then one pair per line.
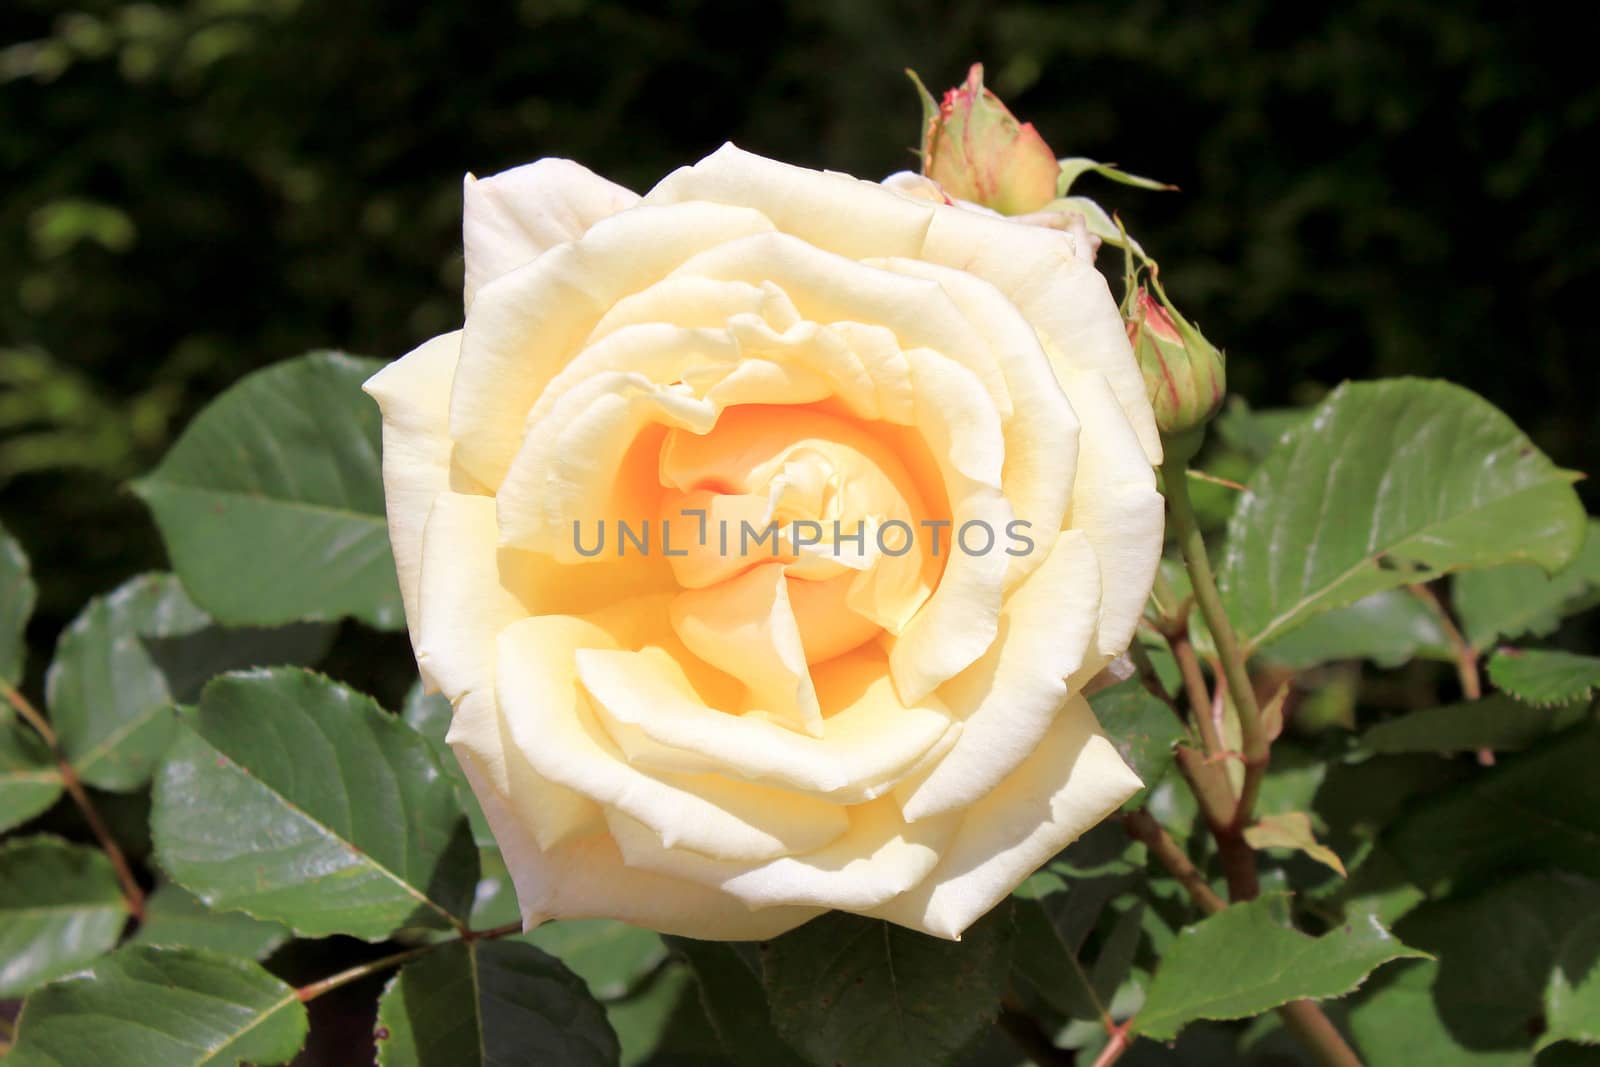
x,y
722,743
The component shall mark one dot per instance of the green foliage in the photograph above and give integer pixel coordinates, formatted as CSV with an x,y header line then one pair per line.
x,y
175,918
1540,808
1144,730
1572,995
853,991
475,1004
123,664
1517,600
1389,628
29,780
299,801
17,594
271,503
1497,722
59,908
1545,677
177,1007
1389,484
1243,961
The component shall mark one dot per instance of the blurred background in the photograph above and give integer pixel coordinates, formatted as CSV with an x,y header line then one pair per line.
x,y
193,190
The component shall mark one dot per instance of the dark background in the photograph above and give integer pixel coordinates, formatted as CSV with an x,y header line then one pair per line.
x,y
194,190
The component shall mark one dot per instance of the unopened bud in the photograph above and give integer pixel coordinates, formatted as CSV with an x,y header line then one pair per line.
x,y
977,150
1184,373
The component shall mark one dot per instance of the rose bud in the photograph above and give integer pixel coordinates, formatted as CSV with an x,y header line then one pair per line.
x,y
974,147
1183,372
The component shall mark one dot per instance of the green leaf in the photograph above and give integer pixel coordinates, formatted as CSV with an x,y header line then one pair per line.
x,y
300,801
1498,953
1077,167
29,780
1389,628
142,1006
176,919
477,1003
1537,808
608,955
661,1023
855,992
130,656
1144,730
494,901
1399,1025
1509,602
1496,722
17,596
429,715
1240,962
1572,997
729,977
1544,677
1386,484
60,907
1292,830
271,503
1253,432
1046,957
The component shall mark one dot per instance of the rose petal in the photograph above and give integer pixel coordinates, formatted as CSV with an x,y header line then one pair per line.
x,y
1008,700
586,878
516,216
505,365
879,857
654,713
1115,503
413,393
745,627
553,726
1071,781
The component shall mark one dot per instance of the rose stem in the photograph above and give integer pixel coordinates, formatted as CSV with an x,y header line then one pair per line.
x,y
1256,744
1302,1018
1466,655
383,963
131,892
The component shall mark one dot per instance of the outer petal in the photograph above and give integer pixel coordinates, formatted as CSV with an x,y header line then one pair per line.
x,y
842,214
1008,699
1115,503
553,727
586,878
879,857
413,393
505,364
1065,299
515,216
1073,779
466,593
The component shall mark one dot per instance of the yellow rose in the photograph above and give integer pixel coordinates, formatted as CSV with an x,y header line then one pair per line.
x,y
720,739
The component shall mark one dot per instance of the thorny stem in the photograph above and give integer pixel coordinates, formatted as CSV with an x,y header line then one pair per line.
x,y
1142,827
1194,684
1303,1018
382,963
1114,1048
1209,601
132,893
1466,656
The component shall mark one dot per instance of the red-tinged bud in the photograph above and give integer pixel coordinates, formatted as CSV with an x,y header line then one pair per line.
x,y
1184,374
974,147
